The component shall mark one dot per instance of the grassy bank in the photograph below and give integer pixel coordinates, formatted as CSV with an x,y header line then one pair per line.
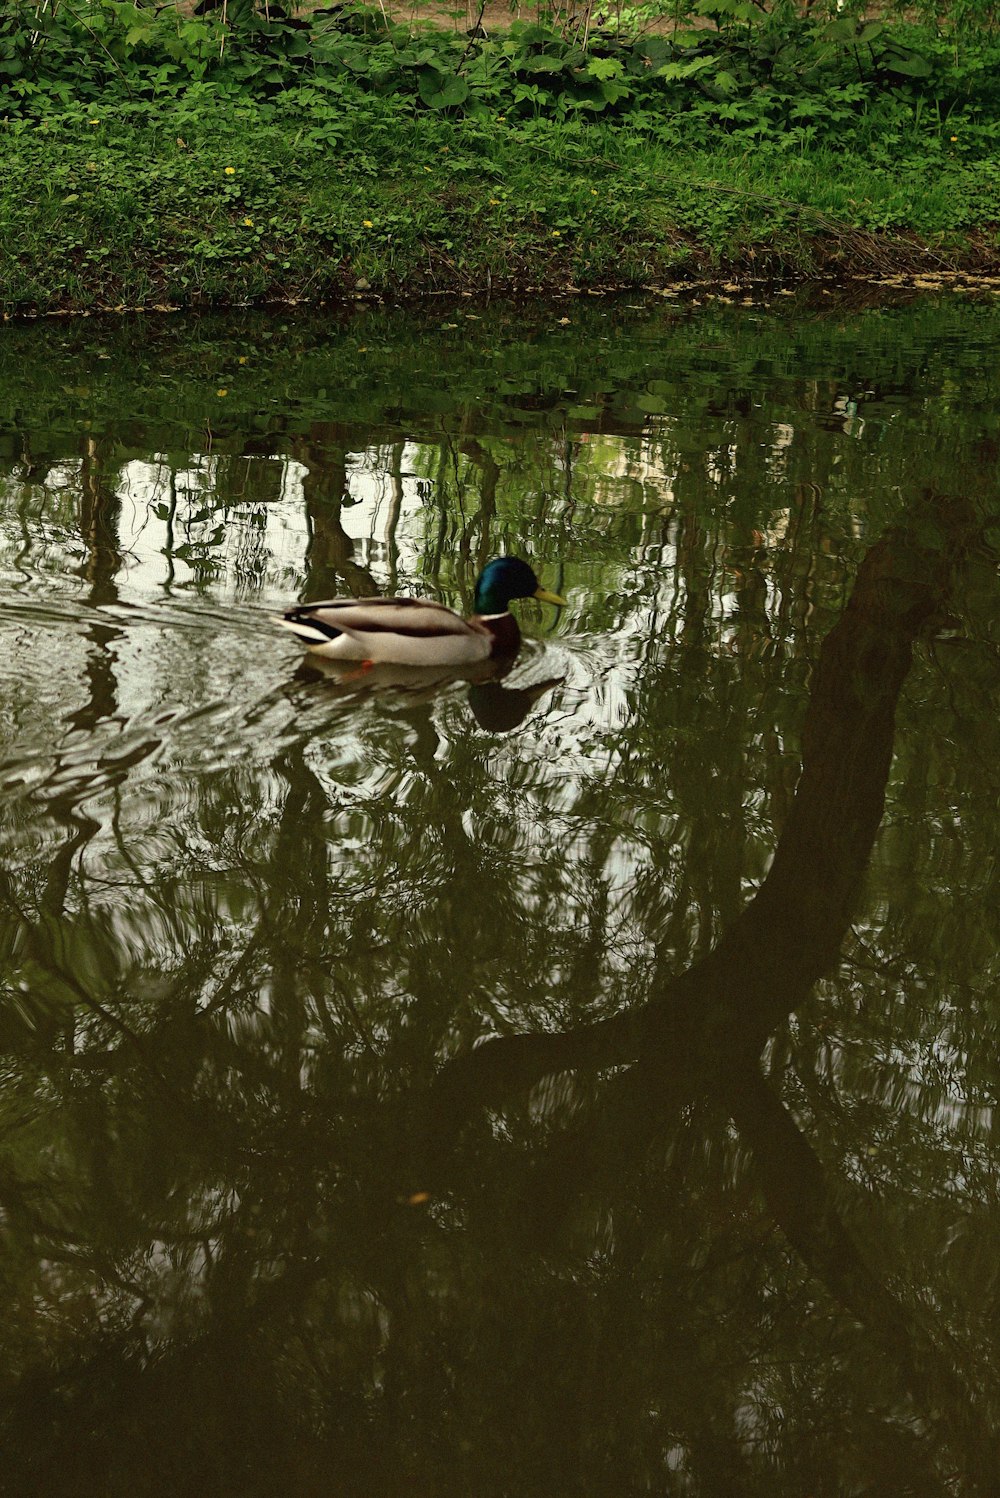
x,y
207,189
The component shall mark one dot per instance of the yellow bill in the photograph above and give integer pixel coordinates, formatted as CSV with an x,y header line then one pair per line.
x,y
547,597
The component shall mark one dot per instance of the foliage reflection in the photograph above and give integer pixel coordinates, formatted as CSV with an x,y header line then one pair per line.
x,y
695,1058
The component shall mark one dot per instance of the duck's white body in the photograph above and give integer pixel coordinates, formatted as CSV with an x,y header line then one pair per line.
x,y
405,631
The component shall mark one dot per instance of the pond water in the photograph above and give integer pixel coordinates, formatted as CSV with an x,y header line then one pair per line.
x,y
580,1083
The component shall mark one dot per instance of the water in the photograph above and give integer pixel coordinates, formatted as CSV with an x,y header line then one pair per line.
x,y
540,1086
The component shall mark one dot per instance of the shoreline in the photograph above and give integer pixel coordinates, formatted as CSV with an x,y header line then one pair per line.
x,y
725,287
102,213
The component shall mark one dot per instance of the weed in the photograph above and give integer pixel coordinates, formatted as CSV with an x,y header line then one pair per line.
x,y
238,154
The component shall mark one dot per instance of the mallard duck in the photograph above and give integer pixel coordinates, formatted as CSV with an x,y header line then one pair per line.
x,y
417,631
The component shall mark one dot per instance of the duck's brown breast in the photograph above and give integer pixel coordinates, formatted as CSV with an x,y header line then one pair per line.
x,y
506,635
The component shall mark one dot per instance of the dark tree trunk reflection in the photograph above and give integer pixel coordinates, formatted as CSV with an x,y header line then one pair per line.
x,y
701,1033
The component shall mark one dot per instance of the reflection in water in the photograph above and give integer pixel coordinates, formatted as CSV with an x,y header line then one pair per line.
x,y
495,707
673,987
498,709
702,1031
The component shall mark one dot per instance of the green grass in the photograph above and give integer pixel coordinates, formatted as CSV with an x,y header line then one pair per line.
x,y
196,199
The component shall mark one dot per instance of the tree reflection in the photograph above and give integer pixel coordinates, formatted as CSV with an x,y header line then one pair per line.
x,y
280,954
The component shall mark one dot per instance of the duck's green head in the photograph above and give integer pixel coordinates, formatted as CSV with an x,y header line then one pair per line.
x,y
503,579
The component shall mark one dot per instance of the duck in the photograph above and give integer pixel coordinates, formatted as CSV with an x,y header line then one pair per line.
x,y
418,631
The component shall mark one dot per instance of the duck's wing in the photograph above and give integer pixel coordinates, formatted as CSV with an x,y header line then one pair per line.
x,y
414,618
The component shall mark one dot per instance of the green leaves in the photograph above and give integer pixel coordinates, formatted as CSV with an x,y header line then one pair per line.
x,y
604,68
745,71
677,71
442,90
542,62
907,64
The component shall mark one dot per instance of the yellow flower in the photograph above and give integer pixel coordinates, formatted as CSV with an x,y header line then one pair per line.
x,y
501,116
367,223
556,234
243,358
363,349
248,222
230,171
954,137
93,122
494,202
593,192
223,391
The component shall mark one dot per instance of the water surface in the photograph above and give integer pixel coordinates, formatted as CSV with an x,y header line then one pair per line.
x,y
579,1083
